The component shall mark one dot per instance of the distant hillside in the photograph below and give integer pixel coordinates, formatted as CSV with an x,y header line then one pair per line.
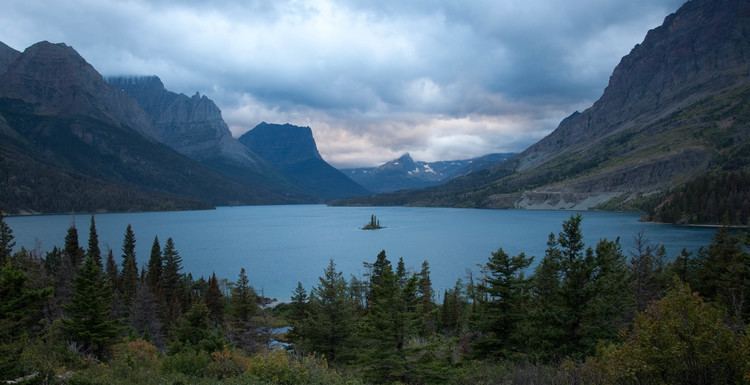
x,y
405,173
292,150
676,108
71,142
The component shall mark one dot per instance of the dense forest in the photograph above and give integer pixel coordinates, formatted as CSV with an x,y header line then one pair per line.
x,y
579,315
719,198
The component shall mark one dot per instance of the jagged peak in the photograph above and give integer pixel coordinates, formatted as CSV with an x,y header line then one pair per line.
x,y
406,157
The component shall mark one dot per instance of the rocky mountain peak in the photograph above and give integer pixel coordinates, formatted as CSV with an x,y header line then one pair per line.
x,y
57,80
7,56
701,49
191,125
281,143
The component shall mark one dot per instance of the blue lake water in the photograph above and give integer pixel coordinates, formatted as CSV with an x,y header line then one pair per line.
x,y
280,245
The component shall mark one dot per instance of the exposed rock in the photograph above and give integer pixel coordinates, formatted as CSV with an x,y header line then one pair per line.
x,y
7,56
292,150
676,107
191,125
59,82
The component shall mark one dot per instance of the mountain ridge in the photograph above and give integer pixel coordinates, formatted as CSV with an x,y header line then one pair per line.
x,y
70,142
672,111
404,173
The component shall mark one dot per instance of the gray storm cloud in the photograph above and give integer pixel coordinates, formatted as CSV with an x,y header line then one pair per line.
x,y
374,79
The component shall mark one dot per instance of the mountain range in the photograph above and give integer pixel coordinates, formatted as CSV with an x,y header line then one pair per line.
x,y
72,141
676,108
405,173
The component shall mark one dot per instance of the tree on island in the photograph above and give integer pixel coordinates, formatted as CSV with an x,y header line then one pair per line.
x,y
374,224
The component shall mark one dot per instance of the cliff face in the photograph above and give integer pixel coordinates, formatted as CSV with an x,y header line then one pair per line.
x,y
58,81
7,56
191,125
292,150
675,108
699,51
70,142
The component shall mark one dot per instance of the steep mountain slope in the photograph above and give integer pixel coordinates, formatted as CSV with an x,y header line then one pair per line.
x,y
70,142
193,126
292,150
675,108
7,56
405,173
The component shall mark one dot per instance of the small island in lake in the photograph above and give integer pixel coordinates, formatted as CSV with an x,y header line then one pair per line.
x,y
373,225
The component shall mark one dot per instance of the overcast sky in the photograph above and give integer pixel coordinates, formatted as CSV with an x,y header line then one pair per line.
x,y
441,79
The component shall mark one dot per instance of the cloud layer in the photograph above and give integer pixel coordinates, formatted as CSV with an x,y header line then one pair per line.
x,y
374,79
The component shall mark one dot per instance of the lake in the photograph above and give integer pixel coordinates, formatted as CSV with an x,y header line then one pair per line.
x,y
280,245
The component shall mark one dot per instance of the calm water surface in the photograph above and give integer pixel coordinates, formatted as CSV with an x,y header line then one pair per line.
x,y
280,245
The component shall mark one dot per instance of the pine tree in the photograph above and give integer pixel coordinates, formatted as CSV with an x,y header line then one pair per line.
x,y
153,276
72,250
20,311
215,301
331,315
194,330
298,314
93,250
7,241
243,306
575,288
88,321
647,269
171,283
546,304
129,278
723,274
426,308
383,332
113,275
504,291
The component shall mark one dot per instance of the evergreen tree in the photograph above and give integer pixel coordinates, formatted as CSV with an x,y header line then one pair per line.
x,y
153,275
215,301
129,278
426,309
171,282
545,323
723,274
610,307
576,290
93,250
382,352
72,251
331,316
88,321
504,291
20,313
194,331
647,269
298,314
113,275
7,241
243,307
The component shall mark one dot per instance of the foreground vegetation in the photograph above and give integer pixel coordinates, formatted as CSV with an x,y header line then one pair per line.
x,y
585,315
